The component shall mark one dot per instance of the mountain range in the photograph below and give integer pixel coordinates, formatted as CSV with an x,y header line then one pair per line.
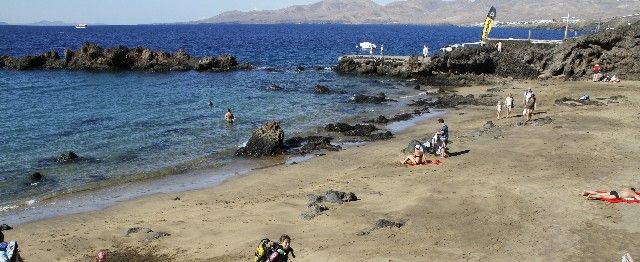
x,y
431,11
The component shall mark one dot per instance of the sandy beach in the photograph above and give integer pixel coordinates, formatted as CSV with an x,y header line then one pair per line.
x,y
510,193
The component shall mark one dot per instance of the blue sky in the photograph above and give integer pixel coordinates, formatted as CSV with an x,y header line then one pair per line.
x,y
131,11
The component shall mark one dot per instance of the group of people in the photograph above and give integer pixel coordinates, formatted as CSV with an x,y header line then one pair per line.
x,y
440,140
599,76
528,102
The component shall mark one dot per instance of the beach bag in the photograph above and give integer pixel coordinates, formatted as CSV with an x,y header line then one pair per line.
x,y
8,251
263,251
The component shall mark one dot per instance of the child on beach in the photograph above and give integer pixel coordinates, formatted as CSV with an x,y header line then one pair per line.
x,y
499,108
508,103
282,250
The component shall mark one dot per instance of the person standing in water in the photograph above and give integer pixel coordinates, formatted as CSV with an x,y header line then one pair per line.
x,y
229,116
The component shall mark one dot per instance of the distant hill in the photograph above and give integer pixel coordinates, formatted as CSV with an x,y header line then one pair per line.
x,y
3,23
50,23
431,11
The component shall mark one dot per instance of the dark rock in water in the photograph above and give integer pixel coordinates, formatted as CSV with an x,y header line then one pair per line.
x,y
417,87
384,223
381,136
401,117
365,99
361,130
275,87
36,176
67,156
299,68
319,89
349,130
93,57
5,227
338,127
381,120
314,143
265,140
295,141
409,68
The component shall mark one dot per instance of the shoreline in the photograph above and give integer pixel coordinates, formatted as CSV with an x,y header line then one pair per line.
x,y
96,198
512,193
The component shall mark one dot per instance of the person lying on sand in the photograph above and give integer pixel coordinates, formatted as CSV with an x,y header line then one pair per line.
x,y
624,193
416,158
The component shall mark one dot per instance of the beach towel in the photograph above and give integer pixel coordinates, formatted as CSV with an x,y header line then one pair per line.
x,y
619,200
7,251
434,162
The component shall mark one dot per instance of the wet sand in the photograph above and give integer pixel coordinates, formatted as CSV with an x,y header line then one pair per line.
x,y
507,194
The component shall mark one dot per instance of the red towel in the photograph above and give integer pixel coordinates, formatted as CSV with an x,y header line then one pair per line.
x,y
618,200
434,162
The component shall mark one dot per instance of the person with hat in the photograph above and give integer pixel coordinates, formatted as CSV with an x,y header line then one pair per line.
x,y
416,158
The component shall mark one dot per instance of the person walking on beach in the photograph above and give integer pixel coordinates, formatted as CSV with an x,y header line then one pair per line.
x,y
499,108
508,103
531,105
229,116
282,250
443,136
527,94
499,47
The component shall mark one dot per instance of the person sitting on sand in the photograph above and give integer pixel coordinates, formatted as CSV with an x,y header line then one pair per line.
x,y
9,251
229,116
282,250
416,158
629,192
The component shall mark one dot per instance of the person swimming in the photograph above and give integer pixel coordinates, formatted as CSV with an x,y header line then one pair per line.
x,y
229,116
210,103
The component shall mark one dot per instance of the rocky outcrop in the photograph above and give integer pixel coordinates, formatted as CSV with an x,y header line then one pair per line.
x,y
93,57
66,157
409,68
617,51
266,140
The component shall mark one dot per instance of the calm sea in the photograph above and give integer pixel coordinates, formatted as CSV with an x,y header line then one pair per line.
x,y
128,126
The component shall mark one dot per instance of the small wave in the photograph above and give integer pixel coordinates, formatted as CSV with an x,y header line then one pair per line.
x,y
30,202
8,207
420,94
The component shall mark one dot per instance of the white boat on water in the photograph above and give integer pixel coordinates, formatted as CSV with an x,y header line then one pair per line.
x,y
367,45
81,26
